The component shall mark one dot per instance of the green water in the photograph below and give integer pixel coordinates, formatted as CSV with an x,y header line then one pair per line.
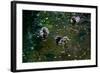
x,y
36,49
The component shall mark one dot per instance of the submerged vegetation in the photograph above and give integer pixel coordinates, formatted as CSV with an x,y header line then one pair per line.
x,y
52,46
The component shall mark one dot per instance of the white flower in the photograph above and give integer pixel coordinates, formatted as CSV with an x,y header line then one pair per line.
x,y
32,48
69,55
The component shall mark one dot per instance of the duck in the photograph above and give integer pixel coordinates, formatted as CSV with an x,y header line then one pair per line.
x,y
75,19
44,32
61,40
